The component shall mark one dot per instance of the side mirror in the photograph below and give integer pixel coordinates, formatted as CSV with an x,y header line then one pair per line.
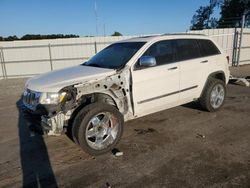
x,y
147,61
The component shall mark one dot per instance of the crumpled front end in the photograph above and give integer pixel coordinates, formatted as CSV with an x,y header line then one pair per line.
x,y
46,118
55,118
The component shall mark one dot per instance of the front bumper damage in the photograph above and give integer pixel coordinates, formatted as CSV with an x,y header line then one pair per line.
x,y
53,125
47,124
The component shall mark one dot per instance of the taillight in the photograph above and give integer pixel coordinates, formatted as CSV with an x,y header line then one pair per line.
x,y
228,59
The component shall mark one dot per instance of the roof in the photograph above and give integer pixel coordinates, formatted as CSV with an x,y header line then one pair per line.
x,y
164,37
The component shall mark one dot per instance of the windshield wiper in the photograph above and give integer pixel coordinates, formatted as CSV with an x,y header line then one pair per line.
x,y
94,65
91,65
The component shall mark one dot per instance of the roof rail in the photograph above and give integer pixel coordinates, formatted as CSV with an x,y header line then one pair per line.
x,y
170,34
185,34
147,36
165,34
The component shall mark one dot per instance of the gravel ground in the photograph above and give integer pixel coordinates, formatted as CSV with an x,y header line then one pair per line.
x,y
179,147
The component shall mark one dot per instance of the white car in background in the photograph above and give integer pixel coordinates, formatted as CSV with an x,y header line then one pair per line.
x,y
127,80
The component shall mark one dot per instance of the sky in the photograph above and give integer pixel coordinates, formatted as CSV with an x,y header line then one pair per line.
x,y
129,17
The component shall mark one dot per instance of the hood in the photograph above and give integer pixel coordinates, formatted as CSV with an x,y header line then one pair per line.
x,y
56,80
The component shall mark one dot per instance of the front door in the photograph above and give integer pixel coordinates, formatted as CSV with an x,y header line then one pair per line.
x,y
156,88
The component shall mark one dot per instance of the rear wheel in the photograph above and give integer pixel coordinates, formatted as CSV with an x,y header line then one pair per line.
x,y
213,96
98,128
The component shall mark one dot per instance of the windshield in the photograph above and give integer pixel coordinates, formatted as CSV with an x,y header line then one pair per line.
x,y
115,56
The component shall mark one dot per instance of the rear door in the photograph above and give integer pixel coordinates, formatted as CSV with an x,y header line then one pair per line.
x,y
212,53
194,68
156,88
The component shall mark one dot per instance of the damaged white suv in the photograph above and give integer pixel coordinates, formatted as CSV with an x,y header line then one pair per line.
x,y
126,80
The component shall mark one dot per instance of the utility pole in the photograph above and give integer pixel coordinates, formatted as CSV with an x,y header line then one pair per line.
x,y
212,4
104,30
241,35
96,18
209,14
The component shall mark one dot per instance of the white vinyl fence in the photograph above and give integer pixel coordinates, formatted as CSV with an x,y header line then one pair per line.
x,y
245,47
27,58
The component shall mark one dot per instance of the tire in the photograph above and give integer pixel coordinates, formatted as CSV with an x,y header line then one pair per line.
x,y
97,128
209,100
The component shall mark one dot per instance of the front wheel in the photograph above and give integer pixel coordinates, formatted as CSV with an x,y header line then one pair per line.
x,y
98,127
213,96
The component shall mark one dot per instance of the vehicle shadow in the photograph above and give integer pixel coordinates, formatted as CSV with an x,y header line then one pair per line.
x,y
35,163
193,105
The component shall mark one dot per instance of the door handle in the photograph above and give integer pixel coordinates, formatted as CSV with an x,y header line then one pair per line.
x,y
172,68
205,61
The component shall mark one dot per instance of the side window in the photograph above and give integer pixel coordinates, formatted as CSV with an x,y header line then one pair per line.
x,y
208,48
163,52
187,49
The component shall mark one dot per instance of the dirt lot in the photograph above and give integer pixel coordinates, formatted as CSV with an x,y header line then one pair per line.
x,y
166,149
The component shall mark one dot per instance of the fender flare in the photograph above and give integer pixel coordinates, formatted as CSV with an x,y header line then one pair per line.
x,y
213,75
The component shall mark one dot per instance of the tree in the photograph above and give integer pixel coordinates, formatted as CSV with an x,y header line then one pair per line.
x,y
53,36
37,37
201,18
232,12
11,38
116,34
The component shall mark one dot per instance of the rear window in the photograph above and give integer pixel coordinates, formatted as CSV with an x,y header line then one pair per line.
x,y
208,48
187,49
